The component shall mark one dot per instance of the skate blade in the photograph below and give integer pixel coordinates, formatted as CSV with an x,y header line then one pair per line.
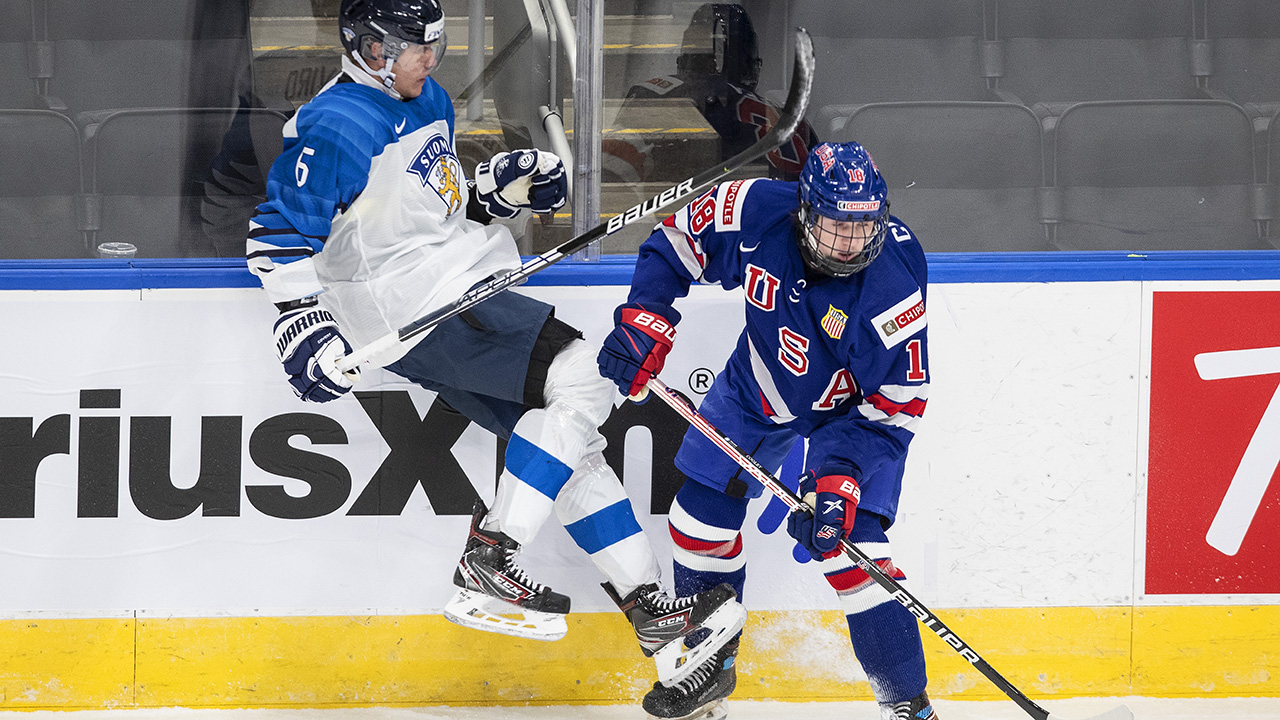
x,y
676,662
711,711
482,612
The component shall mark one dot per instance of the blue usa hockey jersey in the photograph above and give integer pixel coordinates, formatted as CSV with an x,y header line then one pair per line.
x,y
841,361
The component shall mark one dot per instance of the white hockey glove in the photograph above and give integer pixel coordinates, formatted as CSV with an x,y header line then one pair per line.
x,y
309,345
532,179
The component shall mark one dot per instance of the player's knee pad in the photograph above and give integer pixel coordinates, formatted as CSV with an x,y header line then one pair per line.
x,y
546,447
705,526
574,381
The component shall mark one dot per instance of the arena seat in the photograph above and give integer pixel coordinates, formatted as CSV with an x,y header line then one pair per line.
x,y
1244,40
899,50
1154,175
965,176
39,185
1064,52
1269,194
180,182
139,53
17,45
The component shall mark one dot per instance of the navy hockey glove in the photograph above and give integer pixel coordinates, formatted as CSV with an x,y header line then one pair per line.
x,y
638,346
309,345
833,494
519,179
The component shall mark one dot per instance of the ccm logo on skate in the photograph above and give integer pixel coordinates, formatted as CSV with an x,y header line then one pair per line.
x,y
681,619
931,622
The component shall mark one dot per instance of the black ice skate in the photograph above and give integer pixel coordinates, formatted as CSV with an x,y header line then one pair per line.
x,y
662,623
918,708
701,695
496,595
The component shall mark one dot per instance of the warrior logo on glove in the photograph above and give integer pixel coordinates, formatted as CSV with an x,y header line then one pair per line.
x,y
309,345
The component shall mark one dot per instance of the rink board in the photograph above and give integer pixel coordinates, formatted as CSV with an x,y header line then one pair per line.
x,y
1181,651
288,557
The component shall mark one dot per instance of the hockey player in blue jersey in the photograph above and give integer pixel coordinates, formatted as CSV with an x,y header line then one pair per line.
x,y
370,223
835,351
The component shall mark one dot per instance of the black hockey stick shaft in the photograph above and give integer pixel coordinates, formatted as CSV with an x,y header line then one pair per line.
x,y
681,405
789,118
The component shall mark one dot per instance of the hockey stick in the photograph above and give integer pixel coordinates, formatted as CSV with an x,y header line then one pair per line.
x,y
792,112
681,405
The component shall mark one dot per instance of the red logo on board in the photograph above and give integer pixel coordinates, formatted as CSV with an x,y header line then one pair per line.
x,y
1213,486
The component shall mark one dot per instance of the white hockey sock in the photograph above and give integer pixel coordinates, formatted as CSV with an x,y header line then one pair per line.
x,y
596,511
548,444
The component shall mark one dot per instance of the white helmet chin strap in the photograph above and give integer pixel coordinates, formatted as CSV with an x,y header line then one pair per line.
x,y
386,75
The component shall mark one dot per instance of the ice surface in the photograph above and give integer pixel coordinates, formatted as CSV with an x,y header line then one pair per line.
x,y
1070,709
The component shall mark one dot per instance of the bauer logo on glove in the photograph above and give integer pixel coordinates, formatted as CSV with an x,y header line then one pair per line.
x,y
638,345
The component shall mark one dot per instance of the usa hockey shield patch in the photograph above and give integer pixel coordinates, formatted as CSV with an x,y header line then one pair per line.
x,y
436,166
833,322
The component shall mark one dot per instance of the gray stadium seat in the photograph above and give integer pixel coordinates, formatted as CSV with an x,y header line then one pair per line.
x,y
39,185
1058,51
141,53
965,176
1269,200
180,182
1244,40
17,86
1154,175
891,51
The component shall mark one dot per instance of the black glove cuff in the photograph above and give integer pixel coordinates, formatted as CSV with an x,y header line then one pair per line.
x,y
285,307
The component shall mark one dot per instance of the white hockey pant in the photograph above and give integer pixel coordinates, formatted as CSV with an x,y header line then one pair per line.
x,y
554,460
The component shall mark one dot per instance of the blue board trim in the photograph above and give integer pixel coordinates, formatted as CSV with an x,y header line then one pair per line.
x,y
617,270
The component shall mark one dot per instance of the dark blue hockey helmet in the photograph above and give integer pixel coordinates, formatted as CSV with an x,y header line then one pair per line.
x,y
720,41
398,25
841,182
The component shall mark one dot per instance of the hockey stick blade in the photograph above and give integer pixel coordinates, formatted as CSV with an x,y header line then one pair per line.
x,y
684,407
789,118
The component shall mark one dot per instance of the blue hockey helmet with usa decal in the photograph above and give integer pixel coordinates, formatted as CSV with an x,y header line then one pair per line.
x,y
399,27
844,209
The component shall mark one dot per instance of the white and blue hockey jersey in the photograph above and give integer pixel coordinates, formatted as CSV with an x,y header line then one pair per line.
x,y
367,207
841,361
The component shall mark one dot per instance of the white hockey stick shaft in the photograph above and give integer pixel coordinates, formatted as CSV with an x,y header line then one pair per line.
x,y
788,120
685,409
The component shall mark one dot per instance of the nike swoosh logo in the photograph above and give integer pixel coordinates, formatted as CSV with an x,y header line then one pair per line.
x,y
401,125
743,247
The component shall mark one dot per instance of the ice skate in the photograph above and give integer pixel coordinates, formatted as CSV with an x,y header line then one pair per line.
x,y
701,695
496,595
662,623
917,708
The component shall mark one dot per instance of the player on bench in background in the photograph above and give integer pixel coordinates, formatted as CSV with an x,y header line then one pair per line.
x,y
835,351
369,224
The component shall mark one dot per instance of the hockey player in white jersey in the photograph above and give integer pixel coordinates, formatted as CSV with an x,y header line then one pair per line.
x,y
370,223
